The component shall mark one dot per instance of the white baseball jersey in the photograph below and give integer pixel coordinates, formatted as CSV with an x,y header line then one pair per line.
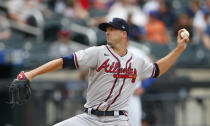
x,y
111,79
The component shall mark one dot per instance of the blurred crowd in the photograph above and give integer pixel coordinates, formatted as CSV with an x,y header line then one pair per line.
x,y
155,21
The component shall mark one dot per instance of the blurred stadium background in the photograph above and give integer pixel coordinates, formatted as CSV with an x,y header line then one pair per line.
x,y
29,29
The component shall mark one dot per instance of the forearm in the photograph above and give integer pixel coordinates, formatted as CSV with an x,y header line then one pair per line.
x,y
46,68
166,62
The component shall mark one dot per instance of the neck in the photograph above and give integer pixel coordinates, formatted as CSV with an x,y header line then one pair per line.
x,y
120,49
121,52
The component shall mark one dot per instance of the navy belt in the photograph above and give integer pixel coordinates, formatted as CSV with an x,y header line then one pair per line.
x,y
104,113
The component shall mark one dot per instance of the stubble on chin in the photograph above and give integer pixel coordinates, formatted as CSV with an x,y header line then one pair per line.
x,y
109,43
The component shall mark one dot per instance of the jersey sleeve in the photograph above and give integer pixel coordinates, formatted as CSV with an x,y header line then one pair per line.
x,y
149,69
86,58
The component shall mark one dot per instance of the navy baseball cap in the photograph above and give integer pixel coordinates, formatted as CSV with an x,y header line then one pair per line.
x,y
116,23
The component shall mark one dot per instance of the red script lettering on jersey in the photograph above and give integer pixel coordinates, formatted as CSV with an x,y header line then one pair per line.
x,y
119,72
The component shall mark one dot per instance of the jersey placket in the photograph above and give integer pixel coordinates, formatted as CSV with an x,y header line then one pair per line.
x,y
120,79
119,65
123,81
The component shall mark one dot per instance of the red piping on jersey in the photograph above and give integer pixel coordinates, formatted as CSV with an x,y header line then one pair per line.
x,y
76,63
113,54
120,87
153,71
109,93
111,90
117,95
98,106
114,81
128,62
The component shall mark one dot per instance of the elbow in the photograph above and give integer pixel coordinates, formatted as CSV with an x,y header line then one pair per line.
x,y
58,63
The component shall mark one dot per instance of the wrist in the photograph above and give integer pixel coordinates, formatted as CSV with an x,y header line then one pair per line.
x,y
29,75
179,49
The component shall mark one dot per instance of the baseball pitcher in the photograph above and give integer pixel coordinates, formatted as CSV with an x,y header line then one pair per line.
x,y
113,71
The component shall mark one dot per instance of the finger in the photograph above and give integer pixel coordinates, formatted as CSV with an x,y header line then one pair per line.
x,y
186,40
179,33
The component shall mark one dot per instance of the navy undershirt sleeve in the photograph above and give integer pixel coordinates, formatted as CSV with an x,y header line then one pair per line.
x,y
68,61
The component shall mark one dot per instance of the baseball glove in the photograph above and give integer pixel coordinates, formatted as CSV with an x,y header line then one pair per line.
x,y
19,90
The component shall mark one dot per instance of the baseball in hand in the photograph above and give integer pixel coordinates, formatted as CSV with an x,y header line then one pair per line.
x,y
185,34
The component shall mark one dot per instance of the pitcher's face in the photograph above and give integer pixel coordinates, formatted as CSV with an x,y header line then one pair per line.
x,y
113,35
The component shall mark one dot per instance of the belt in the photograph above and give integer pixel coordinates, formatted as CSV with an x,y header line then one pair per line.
x,y
104,113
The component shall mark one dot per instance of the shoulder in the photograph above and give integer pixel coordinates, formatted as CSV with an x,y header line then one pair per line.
x,y
138,53
101,47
